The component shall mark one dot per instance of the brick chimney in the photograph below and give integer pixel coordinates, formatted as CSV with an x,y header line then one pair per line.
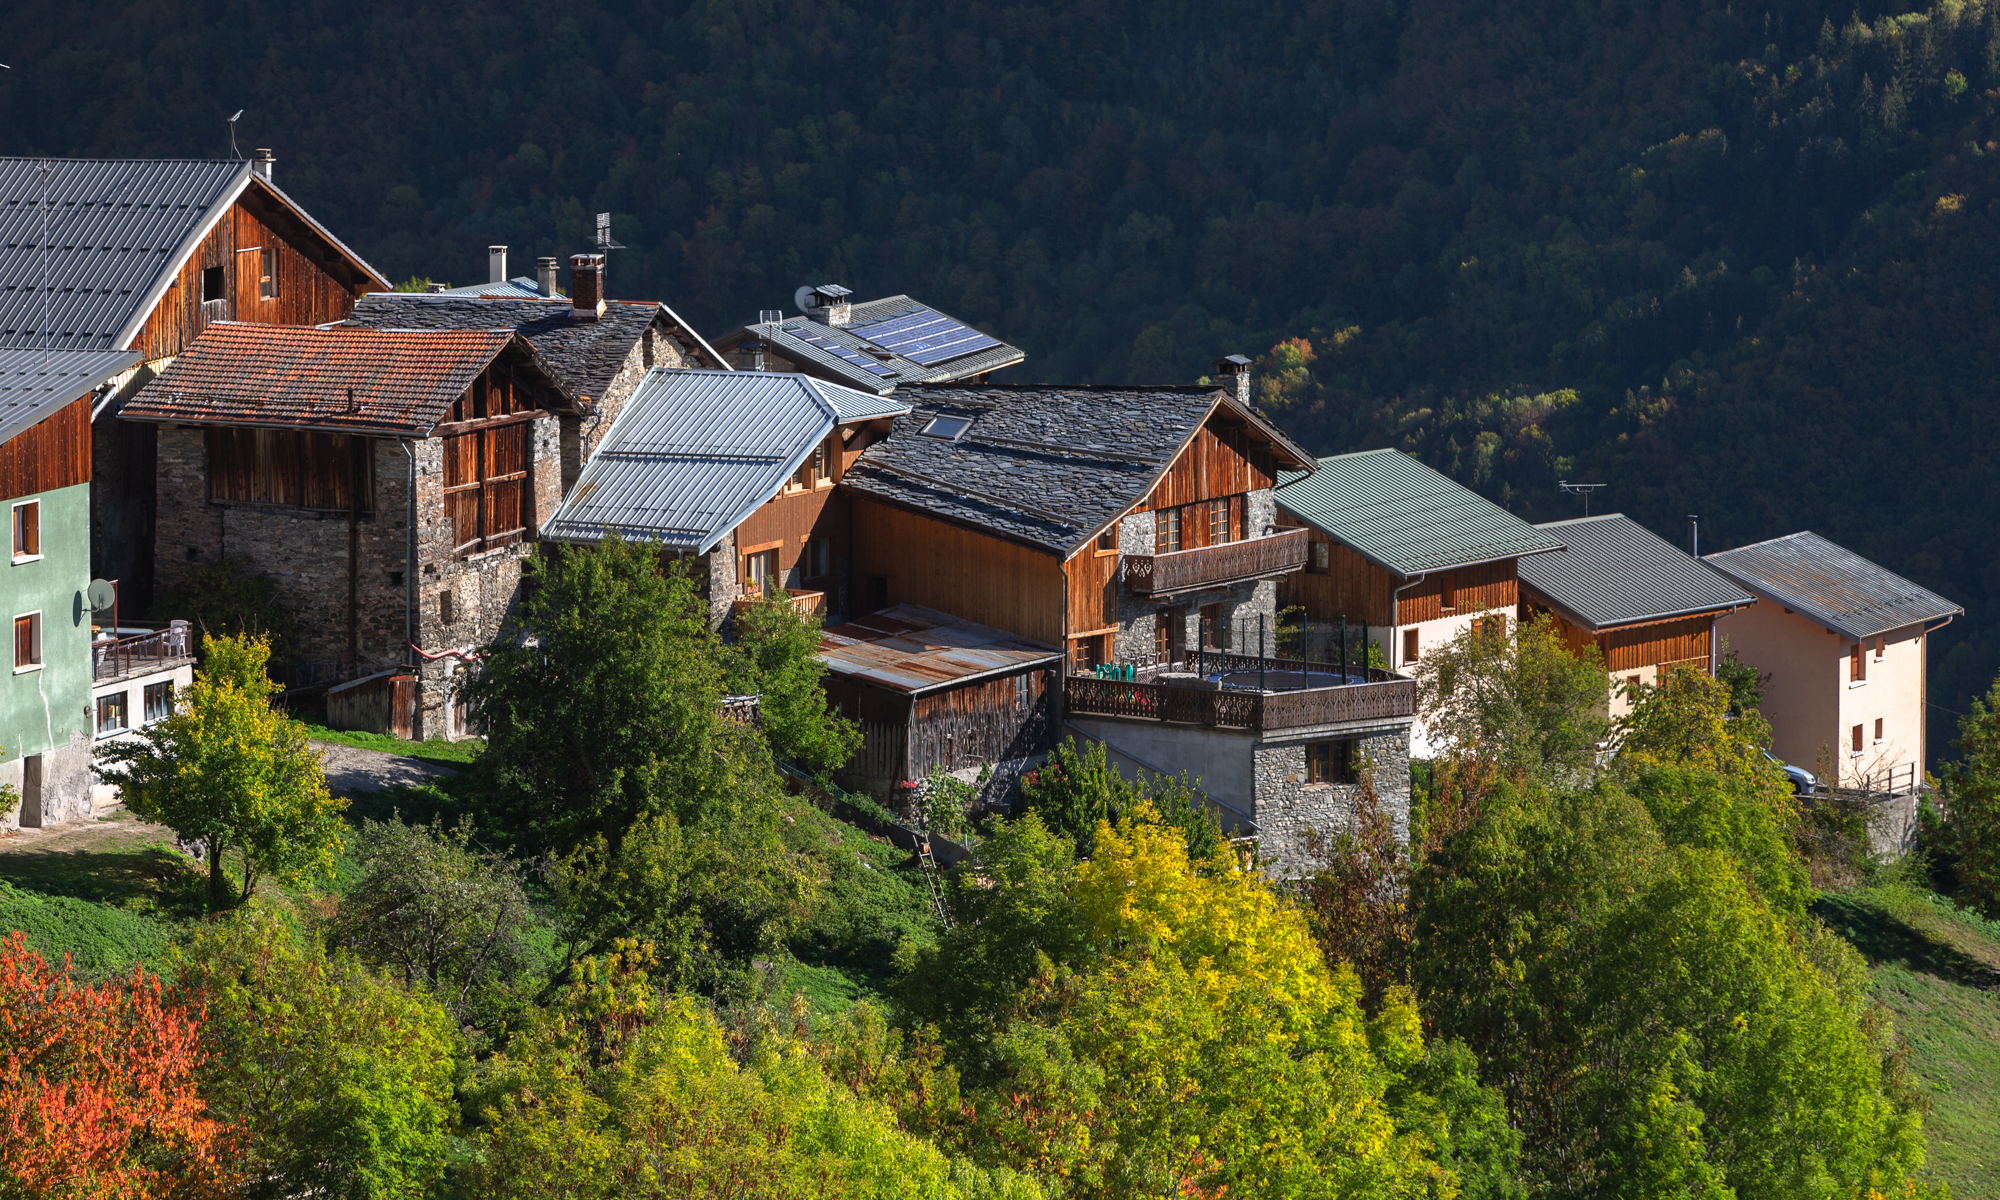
x,y
496,264
261,163
545,276
1234,373
586,287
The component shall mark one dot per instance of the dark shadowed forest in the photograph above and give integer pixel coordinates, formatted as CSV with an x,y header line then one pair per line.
x,y
1733,259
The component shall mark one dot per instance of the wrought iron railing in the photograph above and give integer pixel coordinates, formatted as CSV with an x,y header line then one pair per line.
x,y
1185,570
115,658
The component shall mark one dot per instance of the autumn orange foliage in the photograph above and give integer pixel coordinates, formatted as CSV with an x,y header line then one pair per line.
x,y
97,1090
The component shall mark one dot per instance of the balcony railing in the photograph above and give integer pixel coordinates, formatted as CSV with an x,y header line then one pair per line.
x,y
115,658
1186,570
1384,696
810,604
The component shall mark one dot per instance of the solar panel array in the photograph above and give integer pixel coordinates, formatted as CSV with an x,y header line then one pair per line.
x,y
805,334
926,337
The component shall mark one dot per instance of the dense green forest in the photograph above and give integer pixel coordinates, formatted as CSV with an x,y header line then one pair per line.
x,y
1733,261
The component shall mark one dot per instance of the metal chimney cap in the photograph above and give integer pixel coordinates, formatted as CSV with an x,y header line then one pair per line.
x,y
1234,362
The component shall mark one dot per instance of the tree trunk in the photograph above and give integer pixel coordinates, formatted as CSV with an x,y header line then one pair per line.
x,y
215,882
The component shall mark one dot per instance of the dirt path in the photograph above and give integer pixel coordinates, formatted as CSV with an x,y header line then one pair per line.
x,y
351,771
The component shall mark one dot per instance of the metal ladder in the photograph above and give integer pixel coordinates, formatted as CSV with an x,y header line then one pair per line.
x,y
929,867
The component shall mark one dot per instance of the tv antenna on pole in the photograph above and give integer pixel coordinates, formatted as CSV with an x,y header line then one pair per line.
x,y
232,134
1580,489
604,241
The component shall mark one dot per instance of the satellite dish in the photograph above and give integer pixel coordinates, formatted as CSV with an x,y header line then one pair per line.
x,y
804,297
102,595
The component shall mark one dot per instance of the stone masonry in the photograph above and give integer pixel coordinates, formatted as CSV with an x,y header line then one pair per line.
x,y
1290,812
1138,616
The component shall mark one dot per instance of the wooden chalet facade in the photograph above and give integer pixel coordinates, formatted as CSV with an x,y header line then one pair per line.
x,y
152,252
390,490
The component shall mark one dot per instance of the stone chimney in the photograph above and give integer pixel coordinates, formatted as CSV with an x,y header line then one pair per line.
x,y
496,264
1234,373
545,276
826,303
261,163
586,287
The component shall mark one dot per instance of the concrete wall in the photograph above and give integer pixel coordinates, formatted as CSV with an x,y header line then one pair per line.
x,y
46,711
178,672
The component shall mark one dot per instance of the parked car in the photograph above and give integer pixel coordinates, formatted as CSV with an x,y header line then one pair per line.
x,y
1804,782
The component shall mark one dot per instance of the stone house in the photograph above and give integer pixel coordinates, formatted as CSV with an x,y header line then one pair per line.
x,y
1135,529
737,469
874,346
599,349
144,255
389,481
45,480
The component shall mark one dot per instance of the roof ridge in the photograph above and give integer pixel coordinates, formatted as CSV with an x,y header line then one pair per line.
x,y
1781,538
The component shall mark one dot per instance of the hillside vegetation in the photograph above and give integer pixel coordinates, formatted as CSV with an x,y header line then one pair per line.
x,y
1734,259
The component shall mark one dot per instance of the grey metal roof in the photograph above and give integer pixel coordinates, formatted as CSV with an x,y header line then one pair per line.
x,y
521,287
1401,515
34,384
695,452
1045,466
1618,572
585,355
914,649
118,232
1832,584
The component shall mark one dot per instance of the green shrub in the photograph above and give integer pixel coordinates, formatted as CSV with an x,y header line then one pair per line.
x,y
98,939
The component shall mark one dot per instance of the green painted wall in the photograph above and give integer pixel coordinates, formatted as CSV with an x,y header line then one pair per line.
x,y
39,710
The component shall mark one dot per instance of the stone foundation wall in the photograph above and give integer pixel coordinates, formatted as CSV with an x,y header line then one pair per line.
x,y
66,783
1291,811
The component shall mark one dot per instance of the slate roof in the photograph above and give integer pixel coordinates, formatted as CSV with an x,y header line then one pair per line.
x,y
1832,584
914,649
118,232
35,384
1401,515
402,382
695,452
864,353
1044,466
585,355
1618,572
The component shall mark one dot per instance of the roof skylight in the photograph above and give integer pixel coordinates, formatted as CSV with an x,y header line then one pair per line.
x,y
949,428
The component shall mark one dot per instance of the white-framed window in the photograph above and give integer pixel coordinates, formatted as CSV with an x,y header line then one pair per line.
x,y
28,642
27,531
112,713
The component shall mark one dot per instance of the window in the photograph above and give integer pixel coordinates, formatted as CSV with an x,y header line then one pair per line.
x,y
822,477
1170,634
159,701
213,286
1447,593
1880,644
759,569
1409,645
28,642
1491,627
1330,762
1857,666
110,713
1087,653
819,558
28,531
267,274
1107,542
486,486
284,468
1214,627
1220,528
447,608
1856,748
1024,692
1322,556
949,428
1878,730
1167,531
1632,686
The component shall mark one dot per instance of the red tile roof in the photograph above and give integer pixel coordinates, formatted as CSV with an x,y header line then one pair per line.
x,y
387,381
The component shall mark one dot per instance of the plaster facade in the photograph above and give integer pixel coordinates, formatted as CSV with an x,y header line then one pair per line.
x,y
45,709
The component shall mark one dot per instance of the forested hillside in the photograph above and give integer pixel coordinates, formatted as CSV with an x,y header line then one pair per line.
x,y
1734,259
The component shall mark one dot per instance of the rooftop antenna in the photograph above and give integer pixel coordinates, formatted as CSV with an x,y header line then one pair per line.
x,y
1694,532
233,152
604,241
1580,489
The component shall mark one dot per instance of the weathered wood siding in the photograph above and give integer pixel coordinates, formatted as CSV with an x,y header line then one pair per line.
x,y
955,570
990,721
52,453
1092,583
1351,586
793,519
1492,587
1630,647
1222,460
315,285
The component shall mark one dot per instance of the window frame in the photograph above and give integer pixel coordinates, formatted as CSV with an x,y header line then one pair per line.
x,y
817,549
1855,740
1330,763
933,427
1412,652
1447,592
773,570
123,703
220,274
1878,731
1111,533
1169,535
1320,560
33,554
34,643
1857,664
267,272
164,689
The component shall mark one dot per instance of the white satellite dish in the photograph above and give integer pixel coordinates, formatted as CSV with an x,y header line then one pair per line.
x,y
803,298
102,595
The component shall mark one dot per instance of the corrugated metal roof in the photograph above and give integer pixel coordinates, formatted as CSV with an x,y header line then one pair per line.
x,y
914,649
118,231
399,381
695,452
34,384
521,287
1399,514
1618,572
1833,585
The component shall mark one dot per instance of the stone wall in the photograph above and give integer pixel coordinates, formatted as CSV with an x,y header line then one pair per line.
x,y
66,792
1290,811
1138,616
724,587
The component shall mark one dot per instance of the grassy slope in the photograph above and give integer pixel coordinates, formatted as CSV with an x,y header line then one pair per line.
x,y
107,899
872,902
1930,967
435,750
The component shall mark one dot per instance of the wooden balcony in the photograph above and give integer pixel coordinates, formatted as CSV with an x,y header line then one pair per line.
x,y
1383,697
809,604
114,658
1211,566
